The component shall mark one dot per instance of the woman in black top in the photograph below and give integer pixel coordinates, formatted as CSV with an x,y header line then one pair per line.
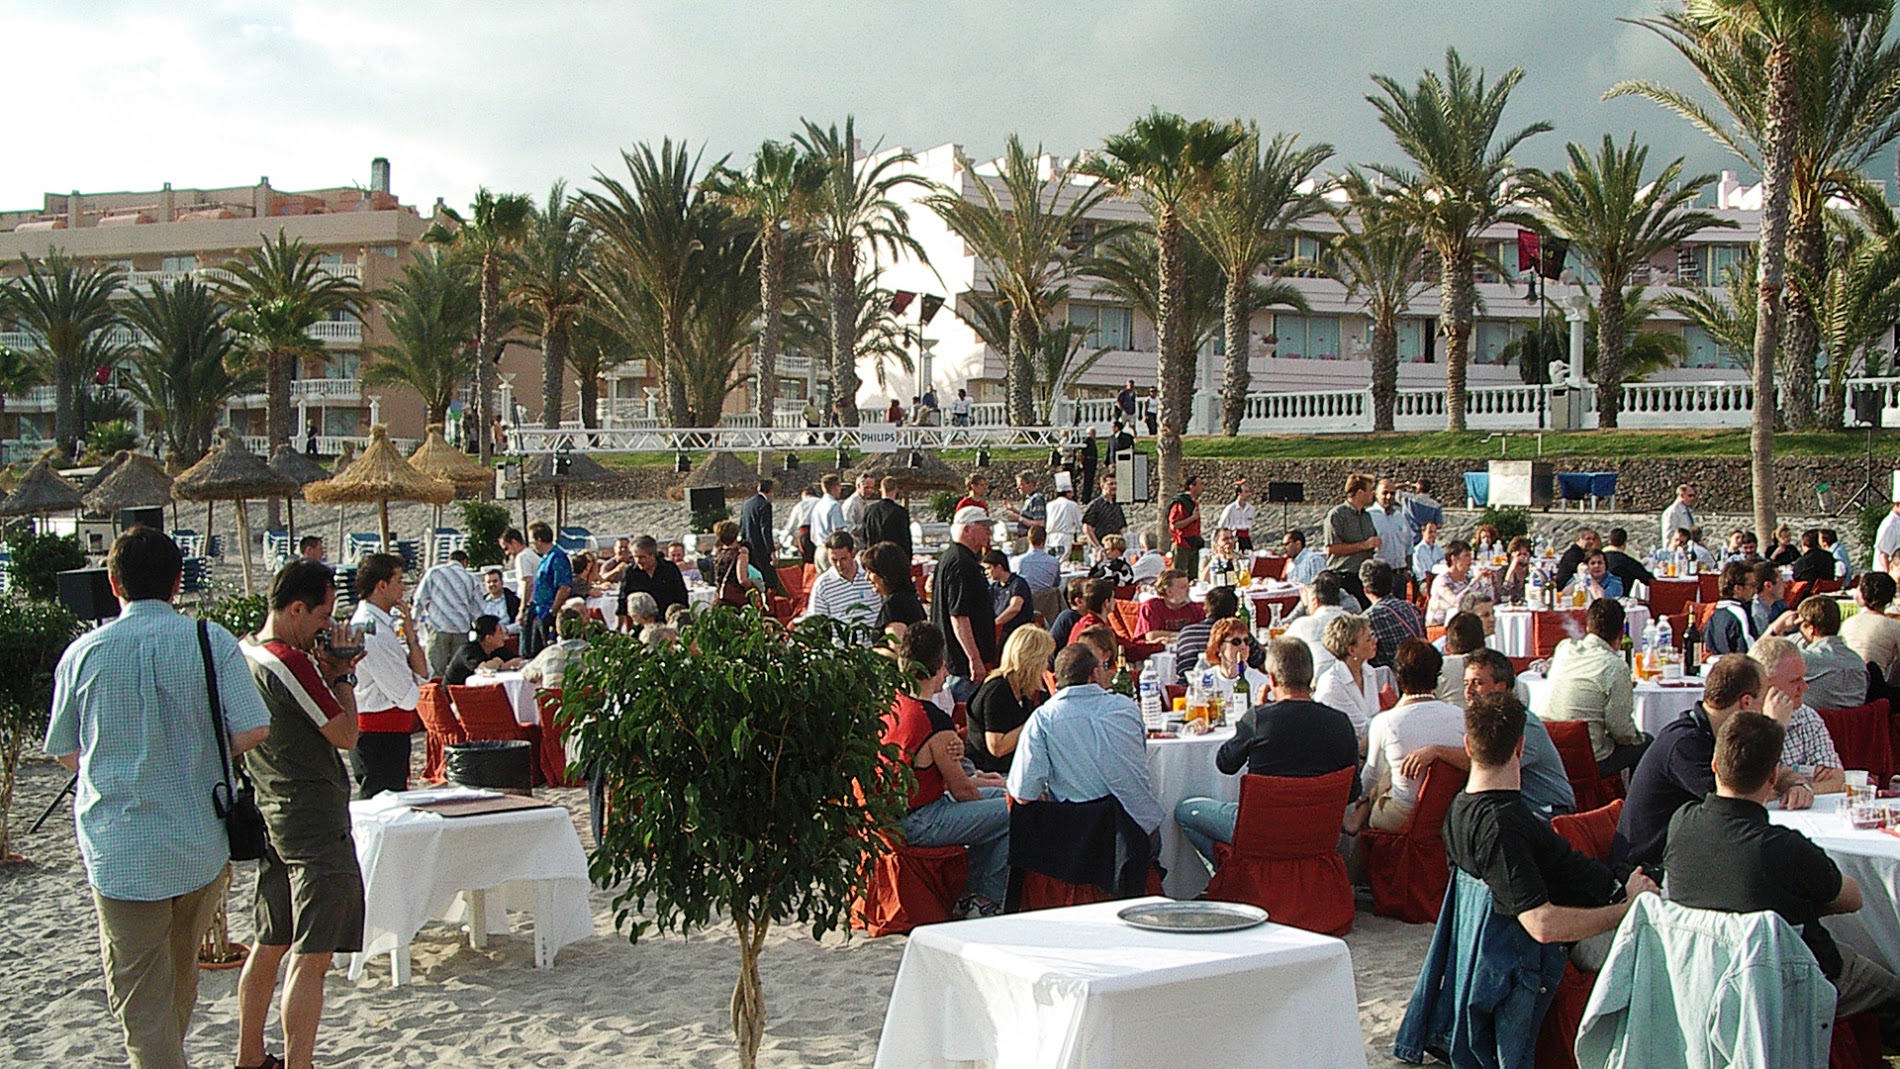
x,y
888,567
1002,704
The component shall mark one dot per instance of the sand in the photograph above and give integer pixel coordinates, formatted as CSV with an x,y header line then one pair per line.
x,y
605,1001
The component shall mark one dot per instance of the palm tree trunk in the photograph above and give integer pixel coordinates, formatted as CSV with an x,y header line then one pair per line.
x,y
590,401
1800,335
844,324
65,404
1237,377
554,346
1022,373
772,308
485,355
678,410
1610,325
1457,294
1778,167
276,417
1174,382
1385,370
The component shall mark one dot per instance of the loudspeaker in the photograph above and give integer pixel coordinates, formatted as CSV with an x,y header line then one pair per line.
x,y
1286,493
1867,407
153,517
87,593
705,497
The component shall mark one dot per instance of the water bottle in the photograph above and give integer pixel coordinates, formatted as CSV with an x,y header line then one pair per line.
x,y
1153,716
1646,654
1534,586
1665,636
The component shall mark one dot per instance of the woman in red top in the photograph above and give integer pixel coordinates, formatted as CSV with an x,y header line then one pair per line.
x,y
948,807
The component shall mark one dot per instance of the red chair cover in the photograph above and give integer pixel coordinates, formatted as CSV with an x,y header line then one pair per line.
x,y
1550,628
1572,739
1709,586
485,713
793,580
1407,868
1285,854
1590,833
1434,632
1269,567
1856,1043
1669,597
553,749
909,886
438,720
1047,892
1861,735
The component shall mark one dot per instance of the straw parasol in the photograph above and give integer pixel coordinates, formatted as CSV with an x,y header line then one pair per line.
x,y
301,470
103,472
380,475
435,456
133,481
932,473
723,470
43,490
540,470
231,472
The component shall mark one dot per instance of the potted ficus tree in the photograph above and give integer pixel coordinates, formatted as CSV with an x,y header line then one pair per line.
x,y
32,637
745,776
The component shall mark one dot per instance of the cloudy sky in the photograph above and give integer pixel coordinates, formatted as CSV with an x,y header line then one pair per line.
x,y
126,94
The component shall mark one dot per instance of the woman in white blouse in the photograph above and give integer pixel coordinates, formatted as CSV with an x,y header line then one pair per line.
x,y
1226,653
1351,685
1238,517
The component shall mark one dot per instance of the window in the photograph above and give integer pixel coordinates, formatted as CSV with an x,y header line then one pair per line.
x,y
342,364
179,263
1412,340
1490,336
1704,352
1108,327
1717,259
342,422
330,259
1307,337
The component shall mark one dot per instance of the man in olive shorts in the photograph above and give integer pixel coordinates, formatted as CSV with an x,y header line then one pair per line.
x,y
309,890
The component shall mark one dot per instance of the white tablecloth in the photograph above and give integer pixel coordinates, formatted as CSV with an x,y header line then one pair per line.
x,y
414,865
1872,858
1075,987
520,694
1515,637
1656,705
1184,768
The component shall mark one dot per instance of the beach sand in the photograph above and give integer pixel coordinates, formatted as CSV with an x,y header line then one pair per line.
x,y
605,1001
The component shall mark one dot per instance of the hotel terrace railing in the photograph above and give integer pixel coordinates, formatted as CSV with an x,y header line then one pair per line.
x,y
346,331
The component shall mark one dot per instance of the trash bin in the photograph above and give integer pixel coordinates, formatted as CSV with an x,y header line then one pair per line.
x,y
493,764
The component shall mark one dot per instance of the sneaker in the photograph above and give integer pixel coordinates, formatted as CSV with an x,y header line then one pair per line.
x,y
987,908
965,907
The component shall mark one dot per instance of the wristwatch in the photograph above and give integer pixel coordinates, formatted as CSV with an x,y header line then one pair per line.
x,y
347,679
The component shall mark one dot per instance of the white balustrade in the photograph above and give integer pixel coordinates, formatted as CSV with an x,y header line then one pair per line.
x,y
326,389
337,330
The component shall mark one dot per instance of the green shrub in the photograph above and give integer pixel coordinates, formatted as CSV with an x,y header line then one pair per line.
x,y
1867,527
943,504
109,437
704,518
1511,522
37,559
32,637
241,614
484,521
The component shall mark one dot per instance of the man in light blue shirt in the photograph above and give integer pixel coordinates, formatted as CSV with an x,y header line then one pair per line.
x,y
1086,743
131,716
827,514
1037,567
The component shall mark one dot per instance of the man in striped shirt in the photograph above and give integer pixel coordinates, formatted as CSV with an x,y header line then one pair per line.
x,y
843,592
447,602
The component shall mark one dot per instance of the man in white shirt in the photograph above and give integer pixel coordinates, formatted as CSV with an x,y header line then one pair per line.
x,y
1064,519
447,602
960,409
1086,743
843,592
1395,533
1152,562
1321,600
1302,562
1427,555
796,537
388,677
1417,721
854,508
1680,515
1238,516
827,513
526,563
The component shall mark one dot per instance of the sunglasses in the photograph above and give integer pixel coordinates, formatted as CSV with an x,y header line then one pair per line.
x,y
1236,641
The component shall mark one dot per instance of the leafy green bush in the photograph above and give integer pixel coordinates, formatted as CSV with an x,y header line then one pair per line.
x,y
704,518
484,521
37,559
758,740
943,504
241,614
1866,527
109,437
1510,522
32,637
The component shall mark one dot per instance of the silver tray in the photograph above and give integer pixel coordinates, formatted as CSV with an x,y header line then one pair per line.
x,y
1193,916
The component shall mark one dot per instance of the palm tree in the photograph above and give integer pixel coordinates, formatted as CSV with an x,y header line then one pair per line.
x,y
653,230
1124,269
597,349
1847,110
722,321
1726,316
68,309
857,214
872,329
497,225
1378,256
1169,163
277,292
1448,127
779,193
544,279
1617,220
1031,241
182,369
1858,301
1262,192
1058,361
18,371
433,315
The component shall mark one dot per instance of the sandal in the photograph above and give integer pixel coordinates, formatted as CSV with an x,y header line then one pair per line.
x,y
271,1061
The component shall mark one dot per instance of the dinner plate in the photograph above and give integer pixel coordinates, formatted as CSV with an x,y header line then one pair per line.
x,y
1193,916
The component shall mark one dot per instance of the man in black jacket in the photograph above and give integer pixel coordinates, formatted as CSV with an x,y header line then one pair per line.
x,y
1624,566
652,574
1575,554
887,521
755,531
1814,562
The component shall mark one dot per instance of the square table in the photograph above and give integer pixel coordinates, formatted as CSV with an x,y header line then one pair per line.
x,y
520,694
417,864
1075,987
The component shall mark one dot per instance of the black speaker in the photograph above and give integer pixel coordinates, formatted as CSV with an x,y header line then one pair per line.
x,y
705,497
1867,407
87,593
1286,493
153,517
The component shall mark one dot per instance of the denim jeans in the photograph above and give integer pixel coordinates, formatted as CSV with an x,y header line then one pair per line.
x,y
982,825
1205,822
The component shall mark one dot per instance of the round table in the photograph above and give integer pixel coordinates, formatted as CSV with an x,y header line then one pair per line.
x,y
1872,858
1516,626
1656,703
1182,768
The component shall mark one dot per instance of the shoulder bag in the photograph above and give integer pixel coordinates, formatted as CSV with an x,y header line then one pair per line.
x,y
236,804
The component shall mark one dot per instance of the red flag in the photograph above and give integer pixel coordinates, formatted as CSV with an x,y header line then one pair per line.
x,y
1527,246
928,310
900,301
102,375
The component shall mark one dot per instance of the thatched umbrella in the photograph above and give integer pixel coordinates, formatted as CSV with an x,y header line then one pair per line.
x,y
42,490
134,481
103,472
540,470
723,470
231,472
435,456
301,470
380,476
930,474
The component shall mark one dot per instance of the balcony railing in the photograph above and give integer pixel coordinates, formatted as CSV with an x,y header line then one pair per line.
x,y
337,330
326,389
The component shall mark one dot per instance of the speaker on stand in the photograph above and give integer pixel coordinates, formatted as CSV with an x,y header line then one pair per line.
x,y
1286,495
1867,404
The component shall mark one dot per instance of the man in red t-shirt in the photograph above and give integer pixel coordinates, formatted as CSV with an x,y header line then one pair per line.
x,y
976,488
1184,528
1162,617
